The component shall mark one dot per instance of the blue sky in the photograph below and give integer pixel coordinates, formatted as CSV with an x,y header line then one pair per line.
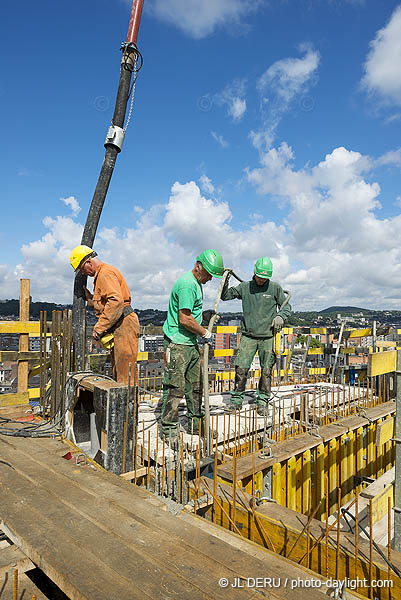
x,y
260,128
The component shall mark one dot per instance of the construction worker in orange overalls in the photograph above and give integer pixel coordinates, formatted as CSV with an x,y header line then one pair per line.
x,y
111,300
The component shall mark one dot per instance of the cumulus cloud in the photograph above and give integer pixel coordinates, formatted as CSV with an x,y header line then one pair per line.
x,y
198,18
219,139
332,247
73,203
382,75
341,248
281,83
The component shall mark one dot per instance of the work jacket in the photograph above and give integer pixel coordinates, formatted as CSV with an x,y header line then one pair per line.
x,y
110,296
260,304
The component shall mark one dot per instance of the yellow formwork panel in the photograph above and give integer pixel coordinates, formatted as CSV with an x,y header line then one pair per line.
x,y
359,460
14,399
291,483
385,431
306,475
379,453
343,466
224,352
318,330
227,329
142,356
34,393
287,330
225,376
20,327
331,470
380,363
370,450
316,351
317,371
319,491
355,333
277,483
349,491
298,480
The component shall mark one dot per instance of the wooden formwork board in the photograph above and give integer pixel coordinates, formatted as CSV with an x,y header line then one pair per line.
x,y
97,536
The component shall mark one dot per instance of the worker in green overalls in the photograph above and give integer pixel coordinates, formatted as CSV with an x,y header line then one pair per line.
x,y
263,317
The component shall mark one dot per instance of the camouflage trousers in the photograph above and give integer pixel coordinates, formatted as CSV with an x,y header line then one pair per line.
x,y
182,376
245,355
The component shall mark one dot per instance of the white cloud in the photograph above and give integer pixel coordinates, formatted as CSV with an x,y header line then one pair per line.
x,y
346,252
73,203
393,157
219,139
332,247
283,82
207,185
199,18
382,73
233,97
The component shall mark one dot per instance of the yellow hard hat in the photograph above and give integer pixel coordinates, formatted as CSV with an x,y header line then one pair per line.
x,y
107,341
78,255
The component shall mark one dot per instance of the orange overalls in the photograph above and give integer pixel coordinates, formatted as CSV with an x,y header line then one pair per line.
x,y
110,296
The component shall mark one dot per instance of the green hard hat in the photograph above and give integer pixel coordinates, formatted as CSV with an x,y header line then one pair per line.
x,y
212,262
264,267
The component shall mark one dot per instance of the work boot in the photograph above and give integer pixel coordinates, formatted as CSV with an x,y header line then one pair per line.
x,y
232,407
237,395
265,384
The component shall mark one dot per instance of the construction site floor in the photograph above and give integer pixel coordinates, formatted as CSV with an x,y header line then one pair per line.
x,y
97,536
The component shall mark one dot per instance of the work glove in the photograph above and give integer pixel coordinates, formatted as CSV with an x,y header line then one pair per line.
x,y
278,323
207,335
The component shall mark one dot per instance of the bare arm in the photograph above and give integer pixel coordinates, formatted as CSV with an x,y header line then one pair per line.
x,y
187,320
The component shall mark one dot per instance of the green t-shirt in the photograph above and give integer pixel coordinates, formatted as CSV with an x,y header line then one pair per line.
x,y
186,293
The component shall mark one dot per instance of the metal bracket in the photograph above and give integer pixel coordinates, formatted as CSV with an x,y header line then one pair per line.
x,y
396,509
115,137
396,439
314,430
259,499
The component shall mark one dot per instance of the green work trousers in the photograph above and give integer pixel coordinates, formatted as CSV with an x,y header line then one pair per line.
x,y
182,375
245,355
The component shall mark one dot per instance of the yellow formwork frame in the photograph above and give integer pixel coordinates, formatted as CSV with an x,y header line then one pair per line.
x,y
291,483
307,473
319,490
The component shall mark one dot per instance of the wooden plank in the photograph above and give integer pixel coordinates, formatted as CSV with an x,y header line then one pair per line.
x,y
138,545
14,399
20,327
24,299
380,363
12,557
13,356
117,571
385,431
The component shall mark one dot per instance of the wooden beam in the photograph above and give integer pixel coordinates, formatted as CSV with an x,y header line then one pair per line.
x,y
20,327
23,338
14,356
382,362
14,399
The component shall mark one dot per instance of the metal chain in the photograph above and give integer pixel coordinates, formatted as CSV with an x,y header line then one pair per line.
x,y
132,92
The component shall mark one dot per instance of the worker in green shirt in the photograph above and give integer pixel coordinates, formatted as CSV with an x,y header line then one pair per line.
x,y
263,317
182,371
